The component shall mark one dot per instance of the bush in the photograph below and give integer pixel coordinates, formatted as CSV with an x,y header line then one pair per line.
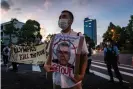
x,y
126,51
127,48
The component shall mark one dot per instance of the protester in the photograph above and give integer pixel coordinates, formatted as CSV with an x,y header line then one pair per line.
x,y
89,58
6,54
64,51
111,58
14,64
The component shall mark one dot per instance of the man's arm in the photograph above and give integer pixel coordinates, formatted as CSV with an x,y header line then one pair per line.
x,y
79,77
84,65
83,62
48,66
105,50
90,51
117,52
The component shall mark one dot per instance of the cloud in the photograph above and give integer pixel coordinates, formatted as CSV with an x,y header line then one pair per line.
x,y
81,2
47,4
17,9
46,12
5,5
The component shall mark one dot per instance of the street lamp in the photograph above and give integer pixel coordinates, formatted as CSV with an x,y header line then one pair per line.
x,y
112,30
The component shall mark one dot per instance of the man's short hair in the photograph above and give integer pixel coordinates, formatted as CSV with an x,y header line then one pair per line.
x,y
70,13
64,44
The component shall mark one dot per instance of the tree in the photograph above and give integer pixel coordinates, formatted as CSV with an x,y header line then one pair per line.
x,y
129,35
113,32
10,29
122,36
90,41
109,33
130,30
29,31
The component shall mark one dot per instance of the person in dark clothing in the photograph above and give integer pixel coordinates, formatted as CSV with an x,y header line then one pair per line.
x,y
89,58
14,65
111,58
6,53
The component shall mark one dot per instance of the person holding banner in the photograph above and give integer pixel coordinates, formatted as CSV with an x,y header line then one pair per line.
x,y
6,52
14,64
67,55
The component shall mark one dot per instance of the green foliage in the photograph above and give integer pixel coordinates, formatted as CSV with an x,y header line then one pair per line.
x,y
120,35
29,31
10,29
90,41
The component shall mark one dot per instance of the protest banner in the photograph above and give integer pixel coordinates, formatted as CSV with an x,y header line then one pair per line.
x,y
28,54
66,52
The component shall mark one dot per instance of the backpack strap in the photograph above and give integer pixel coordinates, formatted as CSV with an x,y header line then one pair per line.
x,y
78,55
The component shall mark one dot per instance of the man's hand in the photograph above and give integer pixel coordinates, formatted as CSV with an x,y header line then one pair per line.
x,y
77,78
48,68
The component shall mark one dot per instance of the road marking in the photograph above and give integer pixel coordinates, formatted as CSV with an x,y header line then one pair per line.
x,y
10,67
36,68
118,66
125,73
105,76
127,65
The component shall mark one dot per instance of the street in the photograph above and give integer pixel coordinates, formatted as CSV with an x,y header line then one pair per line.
x,y
126,69
124,59
33,77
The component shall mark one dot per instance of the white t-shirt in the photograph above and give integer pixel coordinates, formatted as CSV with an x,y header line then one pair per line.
x,y
62,80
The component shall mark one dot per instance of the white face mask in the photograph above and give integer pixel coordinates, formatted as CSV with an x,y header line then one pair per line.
x,y
63,24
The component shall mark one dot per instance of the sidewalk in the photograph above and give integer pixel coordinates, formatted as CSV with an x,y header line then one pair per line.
x,y
37,80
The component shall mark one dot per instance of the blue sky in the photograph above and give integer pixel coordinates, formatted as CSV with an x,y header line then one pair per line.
x,y
46,12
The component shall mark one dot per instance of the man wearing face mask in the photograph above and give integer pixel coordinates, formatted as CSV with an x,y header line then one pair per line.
x,y
111,58
61,81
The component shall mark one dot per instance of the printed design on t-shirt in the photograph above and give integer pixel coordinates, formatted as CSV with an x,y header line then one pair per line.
x,y
64,54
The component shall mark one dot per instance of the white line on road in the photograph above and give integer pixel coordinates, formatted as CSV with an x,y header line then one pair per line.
x,y
10,67
118,66
36,68
125,73
105,76
127,65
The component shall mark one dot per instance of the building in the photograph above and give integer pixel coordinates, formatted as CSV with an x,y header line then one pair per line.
x,y
4,37
90,28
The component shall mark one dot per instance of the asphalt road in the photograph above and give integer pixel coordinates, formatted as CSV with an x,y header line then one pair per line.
x,y
33,77
125,59
29,78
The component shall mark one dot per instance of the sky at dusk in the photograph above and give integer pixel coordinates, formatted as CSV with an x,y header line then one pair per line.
x,y
46,12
